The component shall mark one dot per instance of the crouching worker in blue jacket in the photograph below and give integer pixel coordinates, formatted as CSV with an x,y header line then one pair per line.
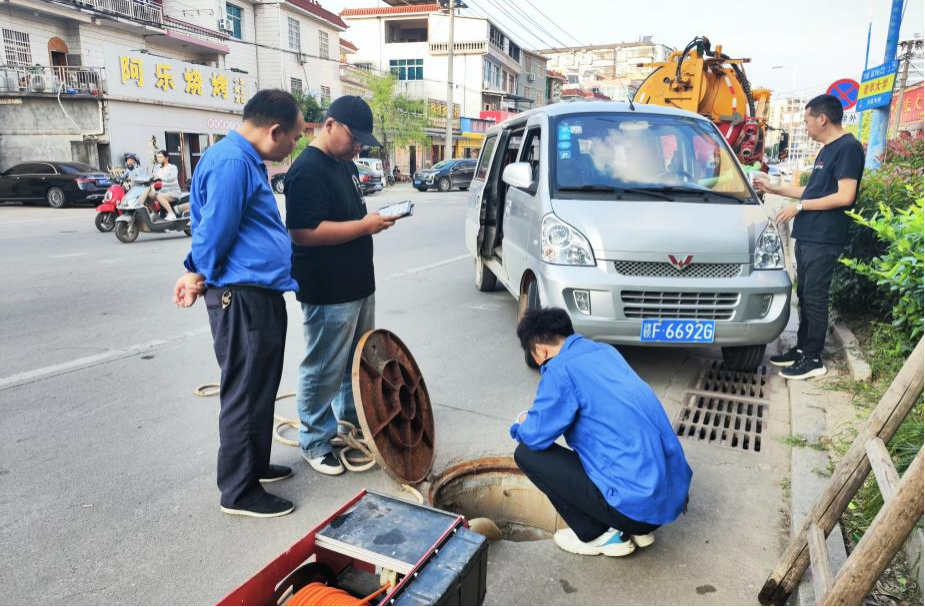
x,y
625,474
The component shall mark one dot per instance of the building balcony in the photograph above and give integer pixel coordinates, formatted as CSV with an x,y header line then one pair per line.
x,y
189,35
353,74
136,10
22,80
459,48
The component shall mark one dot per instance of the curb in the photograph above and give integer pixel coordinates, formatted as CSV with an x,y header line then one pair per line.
x,y
857,365
808,480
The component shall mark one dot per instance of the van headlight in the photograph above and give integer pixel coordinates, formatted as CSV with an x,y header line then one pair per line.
x,y
769,250
564,245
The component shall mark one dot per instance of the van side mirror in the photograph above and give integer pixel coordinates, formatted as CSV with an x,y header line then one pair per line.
x,y
518,175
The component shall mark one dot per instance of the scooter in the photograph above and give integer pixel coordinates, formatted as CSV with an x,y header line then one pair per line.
x,y
137,216
108,210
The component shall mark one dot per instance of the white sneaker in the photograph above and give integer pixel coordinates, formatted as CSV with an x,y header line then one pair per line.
x,y
326,464
643,541
170,217
610,543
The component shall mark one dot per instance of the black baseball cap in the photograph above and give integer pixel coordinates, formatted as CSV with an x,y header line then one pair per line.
x,y
355,113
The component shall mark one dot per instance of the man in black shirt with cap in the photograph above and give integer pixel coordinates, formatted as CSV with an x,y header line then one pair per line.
x,y
332,260
820,227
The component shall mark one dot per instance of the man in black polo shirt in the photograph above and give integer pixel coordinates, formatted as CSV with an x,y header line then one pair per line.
x,y
332,260
820,228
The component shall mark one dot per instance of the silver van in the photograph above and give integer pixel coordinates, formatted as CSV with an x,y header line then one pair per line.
x,y
638,221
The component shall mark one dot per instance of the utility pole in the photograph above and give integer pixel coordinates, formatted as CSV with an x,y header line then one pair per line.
x,y
451,6
909,48
881,115
898,95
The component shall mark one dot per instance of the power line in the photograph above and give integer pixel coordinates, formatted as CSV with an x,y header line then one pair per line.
x,y
531,20
512,21
563,30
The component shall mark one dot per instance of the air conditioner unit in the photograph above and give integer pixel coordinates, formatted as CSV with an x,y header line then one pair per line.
x,y
531,77
224,25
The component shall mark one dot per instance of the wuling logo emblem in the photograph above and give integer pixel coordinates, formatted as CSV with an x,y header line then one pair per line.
x,y
681,264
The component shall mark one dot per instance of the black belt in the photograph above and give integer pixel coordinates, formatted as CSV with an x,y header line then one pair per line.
x,y
251,288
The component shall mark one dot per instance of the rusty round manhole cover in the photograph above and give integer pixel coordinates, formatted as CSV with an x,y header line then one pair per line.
x,y
393,406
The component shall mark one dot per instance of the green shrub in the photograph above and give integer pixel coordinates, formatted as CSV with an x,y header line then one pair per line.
x,y
899,270
855,294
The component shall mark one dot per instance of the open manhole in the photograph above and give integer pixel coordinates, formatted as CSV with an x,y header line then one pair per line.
x,y
726,422
496,489
717,378
396,416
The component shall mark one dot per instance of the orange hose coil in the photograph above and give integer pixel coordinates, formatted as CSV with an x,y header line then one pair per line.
x,y
317,593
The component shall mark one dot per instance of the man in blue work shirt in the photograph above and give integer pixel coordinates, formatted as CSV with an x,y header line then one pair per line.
x,y
625,474
241,260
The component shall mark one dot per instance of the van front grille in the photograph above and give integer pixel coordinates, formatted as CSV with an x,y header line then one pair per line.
x,y
663,269
677,304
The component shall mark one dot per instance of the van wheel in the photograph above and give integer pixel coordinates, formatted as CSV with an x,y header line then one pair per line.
x,y
464,188
485,280
421,189
444,184
529,300
744,358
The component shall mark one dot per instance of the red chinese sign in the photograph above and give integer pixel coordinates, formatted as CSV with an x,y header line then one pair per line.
x,y
911,110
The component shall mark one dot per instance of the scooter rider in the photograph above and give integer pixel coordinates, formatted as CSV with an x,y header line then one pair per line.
x,y
132,167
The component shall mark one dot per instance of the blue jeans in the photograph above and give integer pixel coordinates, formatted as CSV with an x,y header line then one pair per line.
x,y
325,390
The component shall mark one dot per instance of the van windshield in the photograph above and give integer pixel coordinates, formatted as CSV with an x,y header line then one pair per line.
x,y
665,157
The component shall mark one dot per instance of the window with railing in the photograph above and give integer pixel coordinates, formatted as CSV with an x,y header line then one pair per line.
x,y
496,37
16,47
323,45
407,69
234,15
325,95
295,35
295,85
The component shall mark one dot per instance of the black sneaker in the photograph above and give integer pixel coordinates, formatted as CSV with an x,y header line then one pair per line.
x,y
276,473
262,505
805,369
790,357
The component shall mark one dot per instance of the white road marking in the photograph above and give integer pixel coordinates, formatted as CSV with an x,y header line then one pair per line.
x,y
77,364
431,266
27,377
66,255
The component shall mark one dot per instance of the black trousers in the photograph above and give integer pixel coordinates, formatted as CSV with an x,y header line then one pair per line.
x,y
249,337
815,266
558,473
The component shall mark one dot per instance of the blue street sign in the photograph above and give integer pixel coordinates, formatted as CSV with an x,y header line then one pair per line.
x,y
877,86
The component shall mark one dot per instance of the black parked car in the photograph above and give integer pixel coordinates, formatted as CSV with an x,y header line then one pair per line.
x,y
58,184
370,181
446,175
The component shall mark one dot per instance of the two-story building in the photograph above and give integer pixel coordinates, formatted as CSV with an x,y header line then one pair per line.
x,y
93,80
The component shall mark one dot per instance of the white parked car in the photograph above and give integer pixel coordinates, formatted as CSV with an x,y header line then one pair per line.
x,y
375,165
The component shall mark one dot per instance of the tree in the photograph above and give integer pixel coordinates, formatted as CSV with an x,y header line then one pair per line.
x,y
398,121
311,109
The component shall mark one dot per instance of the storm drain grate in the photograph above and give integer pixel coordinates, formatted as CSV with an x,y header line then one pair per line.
x,y
726,422
717,378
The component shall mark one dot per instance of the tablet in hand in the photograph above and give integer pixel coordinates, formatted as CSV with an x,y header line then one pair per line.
x,y
398,210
